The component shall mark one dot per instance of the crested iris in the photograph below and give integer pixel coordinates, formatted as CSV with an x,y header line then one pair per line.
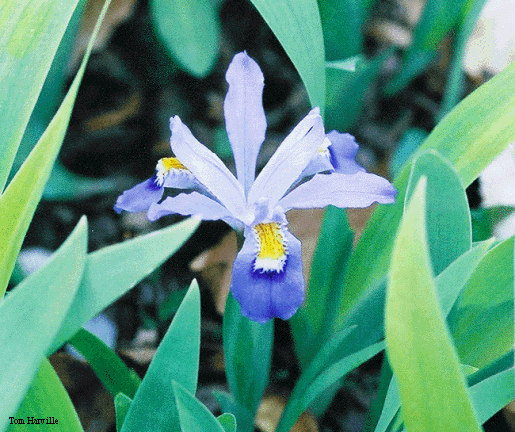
x,y
308,170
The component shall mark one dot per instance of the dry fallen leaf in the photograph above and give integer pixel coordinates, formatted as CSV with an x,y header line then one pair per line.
x,y
269,413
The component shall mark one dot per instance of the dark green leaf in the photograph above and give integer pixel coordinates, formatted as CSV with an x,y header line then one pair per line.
x,y
122,404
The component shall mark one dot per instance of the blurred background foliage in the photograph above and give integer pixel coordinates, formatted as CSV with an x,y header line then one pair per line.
x,y
392,69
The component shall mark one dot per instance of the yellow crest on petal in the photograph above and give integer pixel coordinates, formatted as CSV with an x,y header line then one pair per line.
x,y
272,249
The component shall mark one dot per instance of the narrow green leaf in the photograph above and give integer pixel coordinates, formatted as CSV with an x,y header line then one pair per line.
x,y
300,400
245,419
297,26
405,149
20,198
193,415
449,229
110,272
455,81
500,364
47,399
122,403
413,319
341,23
493,393
190,31
31,32
108,367
479,128
228,422
45,297
176,360
319,309
481,320
247,353
345,89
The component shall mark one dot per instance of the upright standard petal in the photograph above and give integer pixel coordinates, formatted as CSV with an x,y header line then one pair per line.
x,y
289,160
341,190
343,150
244,115
140,197
267,275
189,204
207,168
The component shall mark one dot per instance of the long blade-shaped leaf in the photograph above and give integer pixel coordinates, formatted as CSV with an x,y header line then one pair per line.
x,y
45,297
21,197
247,352
297,26
112,271
419,346
176,360
37,404
31,32
470,137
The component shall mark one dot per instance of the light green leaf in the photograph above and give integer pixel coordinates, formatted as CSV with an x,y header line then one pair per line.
x,y
300,400
419,346
481,320
247,353
31,32
45,297
193,415
176,360
110,272
46,398
297,26
108,367
479,128
449,230
190,31
122,403
20,198
228,422
228,404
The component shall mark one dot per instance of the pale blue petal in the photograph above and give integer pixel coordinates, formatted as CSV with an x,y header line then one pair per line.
x,y
343,151
207,168
318,164
263,296
140,197
244,115
189,204
341,190
290,159
179,179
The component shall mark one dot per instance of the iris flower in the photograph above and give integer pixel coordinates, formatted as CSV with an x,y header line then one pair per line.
x,y
308,170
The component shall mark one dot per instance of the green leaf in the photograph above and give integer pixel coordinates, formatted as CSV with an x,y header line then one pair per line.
x,y
297,26
479,128
20,198
247,353
481,320
438,18
45,297
455,81
122,403
46,398
228,403
110,272
341,24
449,229
190,31
193,415
413,319
108,367
31,32
409,143
301,399
176,360
345,90
319,309
228,422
